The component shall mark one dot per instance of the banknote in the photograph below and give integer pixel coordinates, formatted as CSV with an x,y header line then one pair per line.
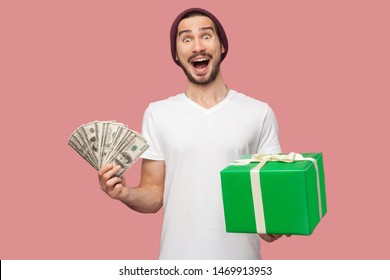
x,y
103,142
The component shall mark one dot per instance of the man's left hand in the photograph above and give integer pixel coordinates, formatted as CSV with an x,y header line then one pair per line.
x,y
272,237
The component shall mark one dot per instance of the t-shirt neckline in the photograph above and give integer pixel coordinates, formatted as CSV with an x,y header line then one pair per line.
x,y
212,109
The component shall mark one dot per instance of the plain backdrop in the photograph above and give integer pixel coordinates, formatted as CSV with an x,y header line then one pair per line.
x,y
323,66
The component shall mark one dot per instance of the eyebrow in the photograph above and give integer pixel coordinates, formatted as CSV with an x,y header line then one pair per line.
x,y
200,29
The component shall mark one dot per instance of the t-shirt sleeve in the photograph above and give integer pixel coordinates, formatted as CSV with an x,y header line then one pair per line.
x,y
150,134
269,137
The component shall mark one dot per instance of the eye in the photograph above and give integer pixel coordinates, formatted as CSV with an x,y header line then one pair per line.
x,y
206,37
186,40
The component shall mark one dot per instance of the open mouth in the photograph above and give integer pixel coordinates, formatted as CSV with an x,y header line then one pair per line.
x,y
200,63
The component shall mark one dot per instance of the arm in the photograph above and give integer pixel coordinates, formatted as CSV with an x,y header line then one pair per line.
x,y
145,198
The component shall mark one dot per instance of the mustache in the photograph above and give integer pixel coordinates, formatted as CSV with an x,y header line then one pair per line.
x,y
200,54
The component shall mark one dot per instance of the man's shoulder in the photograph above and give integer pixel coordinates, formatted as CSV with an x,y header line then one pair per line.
x,y
249,101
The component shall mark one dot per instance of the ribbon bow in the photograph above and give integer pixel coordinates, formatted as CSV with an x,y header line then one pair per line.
x,y
291,157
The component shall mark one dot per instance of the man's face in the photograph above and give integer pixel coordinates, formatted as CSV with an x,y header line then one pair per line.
x,y
199,49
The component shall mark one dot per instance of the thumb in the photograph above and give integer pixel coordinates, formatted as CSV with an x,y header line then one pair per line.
x,y
123,181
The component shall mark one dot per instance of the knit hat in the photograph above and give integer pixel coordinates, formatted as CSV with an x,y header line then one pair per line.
x,y
220,31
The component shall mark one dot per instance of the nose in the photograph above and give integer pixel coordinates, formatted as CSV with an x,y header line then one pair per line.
x,y
198,46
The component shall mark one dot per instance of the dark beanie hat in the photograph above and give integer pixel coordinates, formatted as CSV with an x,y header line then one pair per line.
x,y
220,31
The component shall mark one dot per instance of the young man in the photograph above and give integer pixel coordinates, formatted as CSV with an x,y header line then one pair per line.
x,y
192,136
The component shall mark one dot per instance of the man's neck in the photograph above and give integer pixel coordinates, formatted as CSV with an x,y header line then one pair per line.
x,y
208,95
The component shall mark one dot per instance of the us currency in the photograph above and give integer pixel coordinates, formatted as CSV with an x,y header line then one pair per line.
x,y
109,137
103,142
129,153
122,136
76,146
81,142
92,137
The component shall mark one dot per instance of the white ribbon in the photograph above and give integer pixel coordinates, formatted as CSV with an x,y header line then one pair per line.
x,y
256,185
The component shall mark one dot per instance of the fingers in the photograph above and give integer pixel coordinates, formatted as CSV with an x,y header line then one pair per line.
x,y
116,190
267,237
107,178
270,237
109,185
124,181
107,172
104,169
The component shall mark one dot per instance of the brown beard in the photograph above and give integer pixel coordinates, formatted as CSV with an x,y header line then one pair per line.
x,y
212,78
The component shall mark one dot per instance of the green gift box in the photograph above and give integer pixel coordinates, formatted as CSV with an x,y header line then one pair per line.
x,y
275,194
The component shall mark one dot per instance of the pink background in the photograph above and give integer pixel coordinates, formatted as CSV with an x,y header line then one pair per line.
x,y
323,66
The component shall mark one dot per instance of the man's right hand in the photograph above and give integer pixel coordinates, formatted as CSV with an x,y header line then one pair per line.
x,y
145,198
114,186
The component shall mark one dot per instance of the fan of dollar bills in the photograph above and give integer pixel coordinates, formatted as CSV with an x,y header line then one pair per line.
x,y
103,142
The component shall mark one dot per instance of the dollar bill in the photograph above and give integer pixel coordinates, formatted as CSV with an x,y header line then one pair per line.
x,y
129,153
103,142
92,139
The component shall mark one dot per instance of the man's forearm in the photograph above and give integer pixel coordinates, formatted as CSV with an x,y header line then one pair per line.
x,y
144,199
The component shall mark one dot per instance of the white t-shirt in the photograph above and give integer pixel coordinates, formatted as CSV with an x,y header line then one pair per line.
x,y
196,143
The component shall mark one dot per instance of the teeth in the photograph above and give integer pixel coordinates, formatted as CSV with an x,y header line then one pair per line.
x,y
200,60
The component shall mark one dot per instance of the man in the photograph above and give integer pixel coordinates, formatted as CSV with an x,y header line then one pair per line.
x,y
192,136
